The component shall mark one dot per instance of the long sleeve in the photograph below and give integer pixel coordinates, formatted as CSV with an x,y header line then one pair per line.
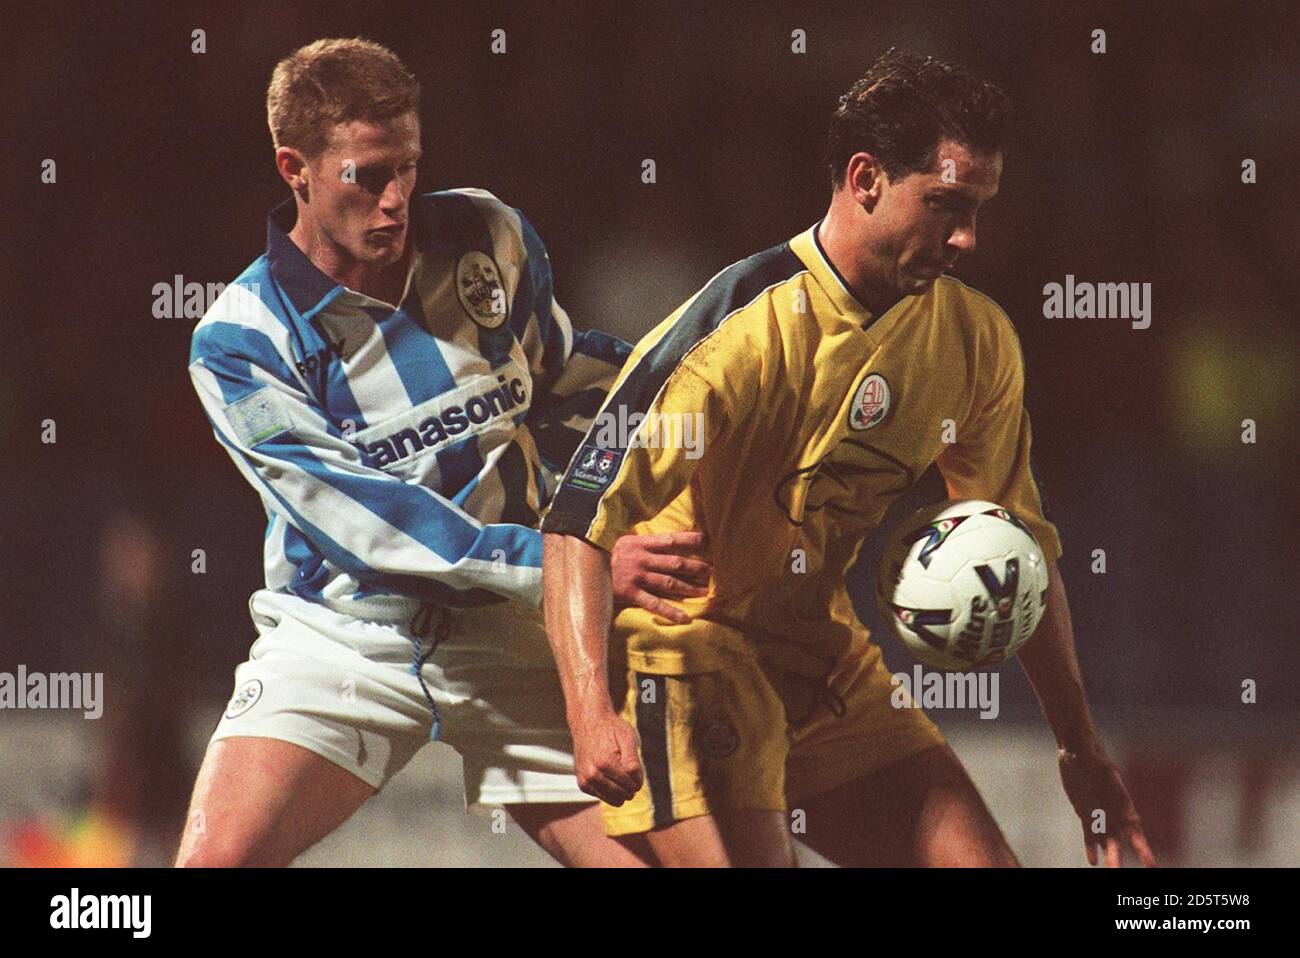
x,y
573,369
384,532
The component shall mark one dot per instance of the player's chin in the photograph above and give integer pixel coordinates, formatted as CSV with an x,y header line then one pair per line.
x,y
919,283
381,249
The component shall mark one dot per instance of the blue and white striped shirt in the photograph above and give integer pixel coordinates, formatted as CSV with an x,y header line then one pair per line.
x,y
404,456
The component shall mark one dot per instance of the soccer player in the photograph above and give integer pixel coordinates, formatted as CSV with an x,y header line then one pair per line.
x,y
825,369
397,382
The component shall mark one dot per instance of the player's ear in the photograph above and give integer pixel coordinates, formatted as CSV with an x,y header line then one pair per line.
x,y
863,178
293,170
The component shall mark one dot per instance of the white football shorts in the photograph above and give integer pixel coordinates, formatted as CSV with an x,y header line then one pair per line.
x,y
345,688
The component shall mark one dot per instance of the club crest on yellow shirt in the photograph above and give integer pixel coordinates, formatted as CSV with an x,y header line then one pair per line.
x,y
870,402
478,284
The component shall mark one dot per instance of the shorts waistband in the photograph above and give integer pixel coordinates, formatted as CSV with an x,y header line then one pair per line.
x,y
386,609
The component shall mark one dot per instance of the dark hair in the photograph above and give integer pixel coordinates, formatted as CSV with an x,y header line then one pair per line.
x,y
905,104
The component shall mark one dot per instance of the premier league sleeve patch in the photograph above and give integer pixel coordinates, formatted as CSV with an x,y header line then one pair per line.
x,y
594,468
258,417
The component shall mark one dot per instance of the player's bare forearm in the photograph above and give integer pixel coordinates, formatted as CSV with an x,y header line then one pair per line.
x,y
578,590
576,583
1092,781
1049,660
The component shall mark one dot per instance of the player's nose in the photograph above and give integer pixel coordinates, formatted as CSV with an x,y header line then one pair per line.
x,y
392,198
962,239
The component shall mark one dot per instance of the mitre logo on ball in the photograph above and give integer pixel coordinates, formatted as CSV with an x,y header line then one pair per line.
x,y
963,584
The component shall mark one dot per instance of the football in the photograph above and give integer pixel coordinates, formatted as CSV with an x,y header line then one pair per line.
x,y
963,584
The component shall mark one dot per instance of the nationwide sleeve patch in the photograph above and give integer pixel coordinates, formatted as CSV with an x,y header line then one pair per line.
x,y
594,469
258,417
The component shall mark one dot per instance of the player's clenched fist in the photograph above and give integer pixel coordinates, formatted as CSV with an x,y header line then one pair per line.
x,y
606,759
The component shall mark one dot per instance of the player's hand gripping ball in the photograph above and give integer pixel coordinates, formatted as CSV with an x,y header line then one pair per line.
x,y
963,584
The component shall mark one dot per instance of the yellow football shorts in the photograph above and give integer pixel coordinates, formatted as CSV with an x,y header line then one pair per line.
x,y
756,737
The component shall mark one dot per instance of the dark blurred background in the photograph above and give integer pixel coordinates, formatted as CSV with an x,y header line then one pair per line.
x,y
1127,167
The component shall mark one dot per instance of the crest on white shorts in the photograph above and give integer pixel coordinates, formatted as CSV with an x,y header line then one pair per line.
x,y
245,698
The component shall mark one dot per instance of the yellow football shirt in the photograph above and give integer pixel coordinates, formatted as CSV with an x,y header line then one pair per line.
x,y
813,417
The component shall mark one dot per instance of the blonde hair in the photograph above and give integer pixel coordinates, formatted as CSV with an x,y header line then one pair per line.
x,y
335,81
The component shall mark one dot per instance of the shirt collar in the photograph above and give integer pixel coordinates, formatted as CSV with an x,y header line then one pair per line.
x,y
307,288
808,247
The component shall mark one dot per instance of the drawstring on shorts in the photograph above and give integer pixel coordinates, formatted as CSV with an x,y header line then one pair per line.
x,y
419,627
833,700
